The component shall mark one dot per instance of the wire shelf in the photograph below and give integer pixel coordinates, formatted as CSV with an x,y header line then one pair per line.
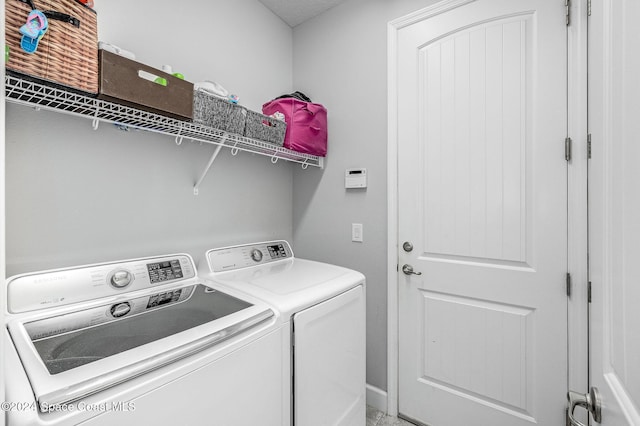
x,y
38,95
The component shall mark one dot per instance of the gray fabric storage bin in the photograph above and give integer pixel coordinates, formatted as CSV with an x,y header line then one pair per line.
x,y
218,113
264,128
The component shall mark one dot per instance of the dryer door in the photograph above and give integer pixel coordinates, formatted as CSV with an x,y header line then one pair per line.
x,y
329,362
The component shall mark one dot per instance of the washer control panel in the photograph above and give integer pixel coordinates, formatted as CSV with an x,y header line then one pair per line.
x,y
48,289
165,270
244,256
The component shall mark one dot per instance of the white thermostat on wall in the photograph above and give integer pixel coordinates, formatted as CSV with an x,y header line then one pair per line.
x,y
355,178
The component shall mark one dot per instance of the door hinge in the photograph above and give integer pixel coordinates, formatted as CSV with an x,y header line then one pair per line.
x,y
568,284
589,292
588,7
589,146
567,6
567,149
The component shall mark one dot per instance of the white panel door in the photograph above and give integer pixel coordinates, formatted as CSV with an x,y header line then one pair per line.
x,y
482,197
614,205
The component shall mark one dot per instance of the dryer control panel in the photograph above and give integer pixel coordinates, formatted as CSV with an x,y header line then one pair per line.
x,y
244,256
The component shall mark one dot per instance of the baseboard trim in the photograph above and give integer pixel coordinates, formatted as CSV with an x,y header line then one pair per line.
x,y
377,398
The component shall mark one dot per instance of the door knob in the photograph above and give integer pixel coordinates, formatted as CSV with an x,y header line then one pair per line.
x,y
407,246
408,270
591,401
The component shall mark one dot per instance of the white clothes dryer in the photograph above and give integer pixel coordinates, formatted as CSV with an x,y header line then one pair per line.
x,y
323,307
141,341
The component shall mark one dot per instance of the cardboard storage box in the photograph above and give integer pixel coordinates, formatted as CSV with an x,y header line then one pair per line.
x,y
131,83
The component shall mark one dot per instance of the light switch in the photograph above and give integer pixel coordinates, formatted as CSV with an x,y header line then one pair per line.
x,y
356,232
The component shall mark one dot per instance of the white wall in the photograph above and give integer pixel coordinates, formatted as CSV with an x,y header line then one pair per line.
x,y
3,300
77,196
340,60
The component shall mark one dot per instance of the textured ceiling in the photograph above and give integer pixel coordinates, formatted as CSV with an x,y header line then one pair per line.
x,y
295,12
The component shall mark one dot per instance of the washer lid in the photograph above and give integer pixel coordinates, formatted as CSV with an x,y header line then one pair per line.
x,y
78,353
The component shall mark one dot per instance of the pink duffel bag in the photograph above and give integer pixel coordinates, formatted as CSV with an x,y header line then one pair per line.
x,y
306,124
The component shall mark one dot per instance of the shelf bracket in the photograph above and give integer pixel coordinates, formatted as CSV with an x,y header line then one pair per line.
x,y
274,159
206,169
179,138
305,164
95,122
234,150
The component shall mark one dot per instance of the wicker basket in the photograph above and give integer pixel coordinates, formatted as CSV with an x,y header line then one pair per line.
x,y
66,55
218,113
265,128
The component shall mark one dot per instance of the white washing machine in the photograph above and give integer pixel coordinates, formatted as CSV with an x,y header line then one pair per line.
x,y
323,307
141,341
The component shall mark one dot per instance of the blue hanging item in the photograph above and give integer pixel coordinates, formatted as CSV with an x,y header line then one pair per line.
x,y
33,30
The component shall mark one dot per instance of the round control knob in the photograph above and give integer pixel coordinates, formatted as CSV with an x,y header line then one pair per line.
x,y
256,255
120,309
121,278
